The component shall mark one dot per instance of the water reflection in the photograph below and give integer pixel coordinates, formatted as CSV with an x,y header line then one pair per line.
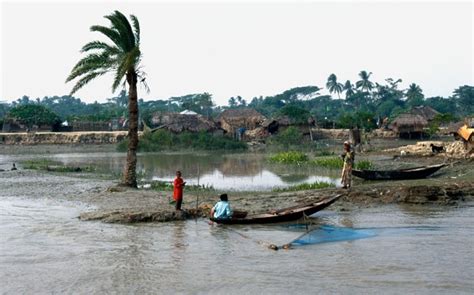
x,y
237,172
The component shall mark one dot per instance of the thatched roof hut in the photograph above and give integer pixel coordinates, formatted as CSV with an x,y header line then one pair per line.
x,y
409,125
233,119
177,123
428,113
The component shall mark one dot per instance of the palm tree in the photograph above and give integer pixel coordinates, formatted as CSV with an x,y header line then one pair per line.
x,y
414,95
349,88
122,58
333,86
364,84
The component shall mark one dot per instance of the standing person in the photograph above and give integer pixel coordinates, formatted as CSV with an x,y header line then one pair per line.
x,y
178,185
221,209
348,158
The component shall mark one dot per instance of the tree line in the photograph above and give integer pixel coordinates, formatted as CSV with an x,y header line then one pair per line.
x,y
348,105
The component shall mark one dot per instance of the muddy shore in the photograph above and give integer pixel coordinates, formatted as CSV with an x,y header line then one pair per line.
x,y
103,200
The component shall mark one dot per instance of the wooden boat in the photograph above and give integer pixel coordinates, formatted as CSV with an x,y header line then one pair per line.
x,y
400,174
282,215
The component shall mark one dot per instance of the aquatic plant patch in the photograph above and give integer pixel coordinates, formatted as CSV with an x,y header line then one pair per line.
x,y
291,157
305,186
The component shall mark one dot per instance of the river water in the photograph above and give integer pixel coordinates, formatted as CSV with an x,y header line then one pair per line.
x,y
222,171
44,248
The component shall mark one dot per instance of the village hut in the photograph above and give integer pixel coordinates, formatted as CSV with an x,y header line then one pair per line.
x,y
235,121
409,126
428,113
177,123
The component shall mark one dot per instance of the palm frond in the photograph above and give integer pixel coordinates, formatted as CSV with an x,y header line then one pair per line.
x,y
91,63
136,26
99,45
86,79
112,35
120,73
121,25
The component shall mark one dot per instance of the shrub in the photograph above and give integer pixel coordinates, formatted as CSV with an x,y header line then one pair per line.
x,y
290,136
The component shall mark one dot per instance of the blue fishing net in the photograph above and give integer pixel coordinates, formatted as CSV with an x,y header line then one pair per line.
x,y
328,233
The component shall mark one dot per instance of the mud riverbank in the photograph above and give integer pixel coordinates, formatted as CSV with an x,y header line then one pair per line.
x,y
58,138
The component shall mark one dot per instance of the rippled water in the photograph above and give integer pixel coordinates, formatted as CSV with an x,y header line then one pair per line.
x,y
44,248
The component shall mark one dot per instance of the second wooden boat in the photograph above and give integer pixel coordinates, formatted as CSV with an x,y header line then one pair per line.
x,y
400,174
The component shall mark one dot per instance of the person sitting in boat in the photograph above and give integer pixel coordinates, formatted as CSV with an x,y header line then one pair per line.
x,y
221,209
348,158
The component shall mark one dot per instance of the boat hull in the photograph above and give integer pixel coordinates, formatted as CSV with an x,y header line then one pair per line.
x,y
403,174
282,215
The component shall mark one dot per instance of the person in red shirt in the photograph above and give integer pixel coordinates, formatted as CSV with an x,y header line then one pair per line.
x,y
178,185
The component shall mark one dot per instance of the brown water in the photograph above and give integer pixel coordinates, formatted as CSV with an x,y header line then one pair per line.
x,y
44,248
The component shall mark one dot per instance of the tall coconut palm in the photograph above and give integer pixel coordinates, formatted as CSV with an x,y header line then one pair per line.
x,y
349,88
414,95
364,84
122,58
333,86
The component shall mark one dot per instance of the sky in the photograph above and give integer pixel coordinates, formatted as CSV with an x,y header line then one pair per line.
x,y
242,48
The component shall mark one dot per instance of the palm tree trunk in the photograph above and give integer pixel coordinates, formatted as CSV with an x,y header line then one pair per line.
x,y
130,170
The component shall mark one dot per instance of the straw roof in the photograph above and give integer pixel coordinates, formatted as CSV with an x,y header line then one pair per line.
x,y
425,111
233,119
176,122
409,122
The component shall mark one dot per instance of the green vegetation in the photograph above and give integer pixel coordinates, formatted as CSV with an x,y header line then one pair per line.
x,y
328,162
54,166
163,140
299,158
291,157
290,137
305,186
168,186
364,103
33,114
364,165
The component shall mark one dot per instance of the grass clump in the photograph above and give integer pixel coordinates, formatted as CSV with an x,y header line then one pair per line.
x,y
289,158
160,185
337,163
364,165
305,186
164,140
328,162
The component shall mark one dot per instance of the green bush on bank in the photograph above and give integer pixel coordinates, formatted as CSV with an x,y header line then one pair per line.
x,y
290,137
291,157
305,186
163,140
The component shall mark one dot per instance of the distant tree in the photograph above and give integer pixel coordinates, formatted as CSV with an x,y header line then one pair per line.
x,y
232,102
123,58
464,96
333,86
364,83
414,95
295,113
33,114
348,88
